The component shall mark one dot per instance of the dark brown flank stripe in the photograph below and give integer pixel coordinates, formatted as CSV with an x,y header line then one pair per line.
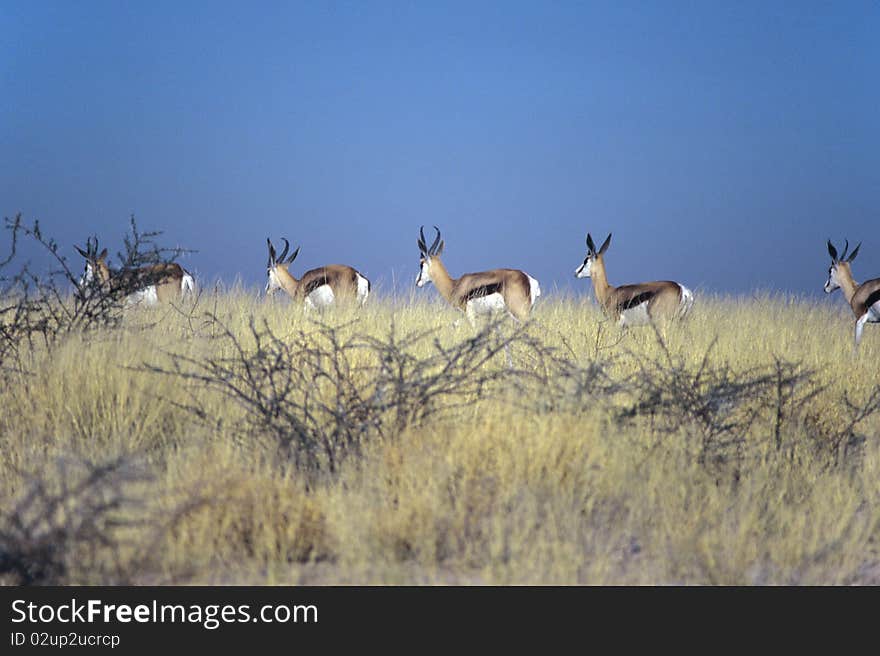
x,y
313,284
483,290
873,297
636,300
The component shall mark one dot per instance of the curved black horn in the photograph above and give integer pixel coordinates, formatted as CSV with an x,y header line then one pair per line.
x,y
433,249
422,246
832,251
271,252
855,252
91,252
293,257
284,252
845,249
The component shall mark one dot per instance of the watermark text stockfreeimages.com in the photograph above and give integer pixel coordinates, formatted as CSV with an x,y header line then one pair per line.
x,y
210,616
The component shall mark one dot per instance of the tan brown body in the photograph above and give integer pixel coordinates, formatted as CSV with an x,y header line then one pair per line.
x,y
318,287
157,283
341,278
512,284
867,295
859,296
167,279
864,299
478,293
632,305
663,297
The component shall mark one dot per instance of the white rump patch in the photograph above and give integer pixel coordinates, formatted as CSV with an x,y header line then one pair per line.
x,y
363,289
187,284
534,288
320,297
687,301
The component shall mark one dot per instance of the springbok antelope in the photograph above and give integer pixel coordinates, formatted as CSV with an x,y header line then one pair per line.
x,y
864,299
318,288
480,293
150,285
633,305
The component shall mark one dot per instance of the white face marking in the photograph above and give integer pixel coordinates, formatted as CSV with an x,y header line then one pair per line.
x,y
320,297
87,276
424,276
585,269
272,284
832,283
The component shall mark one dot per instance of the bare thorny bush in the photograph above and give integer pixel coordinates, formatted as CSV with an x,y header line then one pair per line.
x,y
73,522
728,410
40,309
320,393
83,522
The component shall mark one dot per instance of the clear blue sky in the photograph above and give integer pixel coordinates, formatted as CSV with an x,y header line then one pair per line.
x,y
721,142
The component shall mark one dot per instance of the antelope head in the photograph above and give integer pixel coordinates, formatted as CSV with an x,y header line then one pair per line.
x,y
277,264
839,269
585,269
96,264
427,255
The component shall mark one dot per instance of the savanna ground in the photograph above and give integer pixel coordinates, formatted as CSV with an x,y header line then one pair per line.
x,y
236,441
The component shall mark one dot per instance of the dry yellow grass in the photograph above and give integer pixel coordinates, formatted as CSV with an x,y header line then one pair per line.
x,y
495,492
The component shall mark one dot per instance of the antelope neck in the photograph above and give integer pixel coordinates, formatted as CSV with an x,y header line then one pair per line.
x,y
847,284
441,278
288,282
600,281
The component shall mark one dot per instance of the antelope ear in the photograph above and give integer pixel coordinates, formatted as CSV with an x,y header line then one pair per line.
x,y
855,252
440,248
832,251
590,245
605,245
103,255
81,252
293,257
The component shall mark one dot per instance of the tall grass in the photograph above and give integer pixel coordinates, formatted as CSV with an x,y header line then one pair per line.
x,y
738,447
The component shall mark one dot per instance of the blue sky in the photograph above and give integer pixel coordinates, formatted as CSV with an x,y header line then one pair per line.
x,y
721,142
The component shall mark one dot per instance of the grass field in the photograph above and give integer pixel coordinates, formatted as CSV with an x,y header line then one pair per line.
x,y
389,446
